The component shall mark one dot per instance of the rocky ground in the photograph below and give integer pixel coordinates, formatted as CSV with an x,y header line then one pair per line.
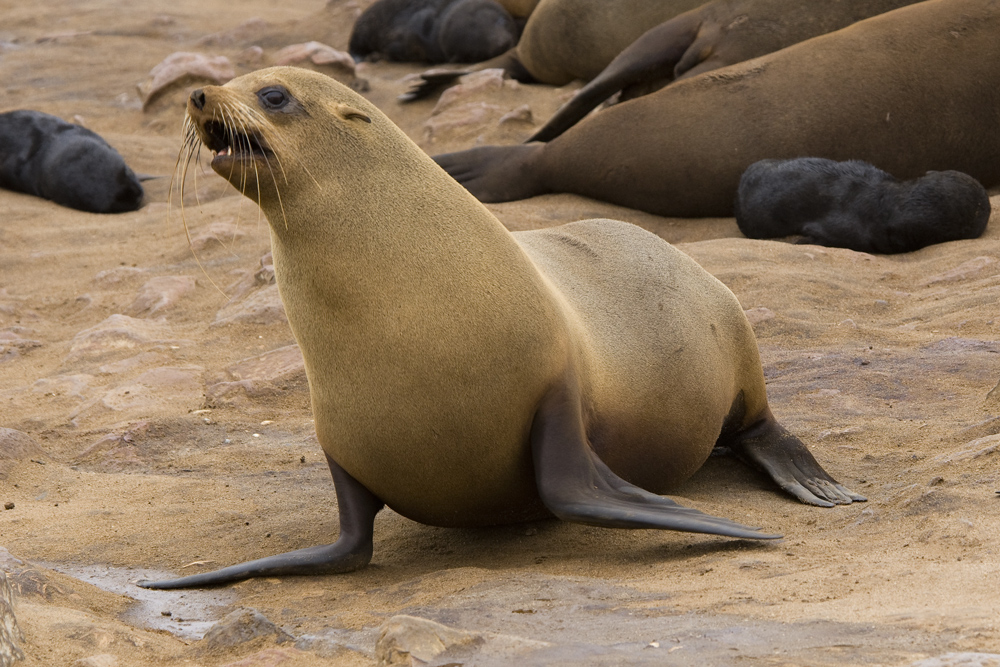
x,y
156,417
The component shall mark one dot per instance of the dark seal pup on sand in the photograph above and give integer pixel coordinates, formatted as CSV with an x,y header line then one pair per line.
x,y
467,376
855,205
47,157
434,31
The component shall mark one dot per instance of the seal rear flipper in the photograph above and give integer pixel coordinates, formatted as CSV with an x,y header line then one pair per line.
x,y
769,447
651,58
575,485
431,82
434,81
353,550
496,173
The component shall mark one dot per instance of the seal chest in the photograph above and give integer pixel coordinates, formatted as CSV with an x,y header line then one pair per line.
x,y
465,376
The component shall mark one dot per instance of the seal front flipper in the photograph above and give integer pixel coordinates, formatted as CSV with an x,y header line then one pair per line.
x,y
358,507
575,485
767,446
496,173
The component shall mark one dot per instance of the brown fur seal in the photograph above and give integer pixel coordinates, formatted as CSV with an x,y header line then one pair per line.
x,y
917,100
466,376
519,9
715,35
855,205
565,40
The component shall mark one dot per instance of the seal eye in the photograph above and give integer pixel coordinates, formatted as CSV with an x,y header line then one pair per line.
x,y
273,98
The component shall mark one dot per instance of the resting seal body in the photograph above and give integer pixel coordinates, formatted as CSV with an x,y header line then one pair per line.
x,y
45,156
715,35
917,99
855,205
465,376
434,31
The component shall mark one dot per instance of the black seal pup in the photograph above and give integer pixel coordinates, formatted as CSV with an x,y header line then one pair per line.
x,y
855,205
45,156
434,31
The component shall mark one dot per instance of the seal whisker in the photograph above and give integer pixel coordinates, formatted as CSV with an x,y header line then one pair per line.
x,y
230,129
256,173
250,117
240,113
187,148
191,149
274,141
193,152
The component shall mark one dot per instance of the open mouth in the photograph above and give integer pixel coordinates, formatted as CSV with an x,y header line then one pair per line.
x,y
225,142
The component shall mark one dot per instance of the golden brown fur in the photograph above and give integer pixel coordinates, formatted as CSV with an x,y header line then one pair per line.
x,y
431,334
565,40
465,376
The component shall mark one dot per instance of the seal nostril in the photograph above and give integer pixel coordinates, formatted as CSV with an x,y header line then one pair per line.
x,y
198,99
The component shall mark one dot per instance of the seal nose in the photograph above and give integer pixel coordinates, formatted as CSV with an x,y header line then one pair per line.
x,y
198,99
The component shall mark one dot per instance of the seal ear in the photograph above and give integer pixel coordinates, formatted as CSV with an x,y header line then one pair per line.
x,y
347,112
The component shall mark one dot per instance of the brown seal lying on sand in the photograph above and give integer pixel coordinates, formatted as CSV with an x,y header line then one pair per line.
x,y
718,34
463,375
917,100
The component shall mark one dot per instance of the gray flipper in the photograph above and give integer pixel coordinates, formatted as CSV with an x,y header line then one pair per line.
x,y
575,485
431,83
358,507
650,58
769,447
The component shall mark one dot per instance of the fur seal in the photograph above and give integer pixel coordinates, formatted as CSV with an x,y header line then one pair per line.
x,y
565,40
465,376
434,31
47,157
919,103
855,205
715,35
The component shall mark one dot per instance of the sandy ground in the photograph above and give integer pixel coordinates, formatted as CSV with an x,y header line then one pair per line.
x,y
162,422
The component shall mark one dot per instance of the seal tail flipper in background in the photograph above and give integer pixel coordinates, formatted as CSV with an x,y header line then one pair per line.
x,y
431,83
358,507
434,81
649,59
575,485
